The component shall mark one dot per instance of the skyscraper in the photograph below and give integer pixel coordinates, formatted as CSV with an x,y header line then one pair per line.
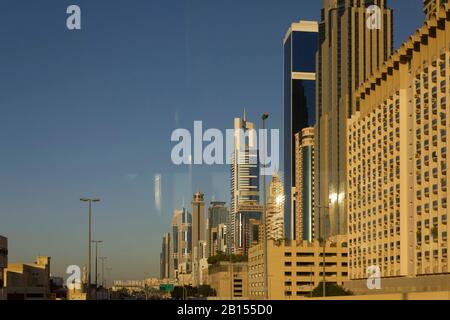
x,y
244,173
217,216
355,38
166,270
181,242
198,233
430,6
275,209
300,48
304,182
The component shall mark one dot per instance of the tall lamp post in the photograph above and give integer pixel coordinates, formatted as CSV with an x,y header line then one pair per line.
x,y
264,117
96,260
90,201
324,244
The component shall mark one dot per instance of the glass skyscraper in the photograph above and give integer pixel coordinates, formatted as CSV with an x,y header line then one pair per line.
x,y
300,48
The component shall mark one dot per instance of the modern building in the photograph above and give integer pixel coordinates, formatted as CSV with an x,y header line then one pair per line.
x,y
181,243
3,265
218,215
295,268
25,281
305,185
398,161
275,209
300,48
244,176
166,261
198,233
229,280
431,6
248,217
355,38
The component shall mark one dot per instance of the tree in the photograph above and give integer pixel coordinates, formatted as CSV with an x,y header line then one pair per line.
x,y
206,291
331,290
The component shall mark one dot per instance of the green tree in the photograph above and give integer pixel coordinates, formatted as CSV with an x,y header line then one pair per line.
x,y
331,290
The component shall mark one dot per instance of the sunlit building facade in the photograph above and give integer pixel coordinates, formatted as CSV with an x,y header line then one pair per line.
x,y
398,160
349,52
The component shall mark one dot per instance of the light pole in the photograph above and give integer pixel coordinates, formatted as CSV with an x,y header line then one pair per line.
x,y
103,270
89,200
96,260
322,238
264,117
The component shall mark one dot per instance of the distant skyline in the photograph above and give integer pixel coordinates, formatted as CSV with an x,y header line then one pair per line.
x,y
90,113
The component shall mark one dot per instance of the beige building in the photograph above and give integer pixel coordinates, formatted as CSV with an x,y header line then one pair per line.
x,y
295,268
398,161
349,53
431,6
28,281
181,249
229,280
198,235
275,209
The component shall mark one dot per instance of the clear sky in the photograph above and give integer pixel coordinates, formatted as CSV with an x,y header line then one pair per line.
x,y
91,112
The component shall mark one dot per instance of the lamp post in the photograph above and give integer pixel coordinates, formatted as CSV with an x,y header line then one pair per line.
x,y
90,201
324,244
264,117
96,260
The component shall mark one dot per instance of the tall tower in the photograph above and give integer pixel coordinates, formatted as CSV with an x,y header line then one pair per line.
x,y
181,242
431,6
244,173
355,38
198,234
304,181
166,271
300,48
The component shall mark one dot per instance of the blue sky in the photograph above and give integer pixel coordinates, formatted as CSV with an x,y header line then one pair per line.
x,y
90,113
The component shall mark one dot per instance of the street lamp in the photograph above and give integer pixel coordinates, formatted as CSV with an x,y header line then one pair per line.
x,y
90,201
264,117
96,260
324,244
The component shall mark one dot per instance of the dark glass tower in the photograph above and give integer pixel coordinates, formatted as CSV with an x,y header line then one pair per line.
x,y
300,48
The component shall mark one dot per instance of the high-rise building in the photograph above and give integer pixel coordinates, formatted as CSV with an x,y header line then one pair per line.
x,y
355,38
398,163
431,6
304,182
218,215
166,271
300,48
181,242
198,233
244,174
275,209
248,226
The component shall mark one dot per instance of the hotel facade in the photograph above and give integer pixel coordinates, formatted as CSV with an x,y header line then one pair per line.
x,y
398,161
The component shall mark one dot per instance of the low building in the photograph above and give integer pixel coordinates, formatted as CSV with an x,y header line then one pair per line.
x,y
28,281
3,264
295,268
229,280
